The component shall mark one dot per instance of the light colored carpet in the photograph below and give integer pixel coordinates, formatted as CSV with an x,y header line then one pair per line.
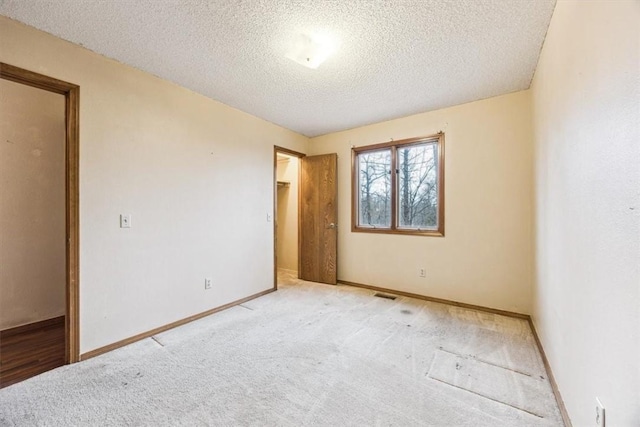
x,y
308,354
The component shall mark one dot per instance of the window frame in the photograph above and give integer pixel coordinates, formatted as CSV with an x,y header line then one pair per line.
x,y
394,146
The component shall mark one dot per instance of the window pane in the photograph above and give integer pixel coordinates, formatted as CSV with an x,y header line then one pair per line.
x,y
374,182
418,186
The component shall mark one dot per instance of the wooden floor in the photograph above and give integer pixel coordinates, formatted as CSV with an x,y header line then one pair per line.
x,y
29,350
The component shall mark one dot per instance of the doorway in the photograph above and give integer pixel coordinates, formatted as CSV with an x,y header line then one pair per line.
x,y
39,223
286,214
305,216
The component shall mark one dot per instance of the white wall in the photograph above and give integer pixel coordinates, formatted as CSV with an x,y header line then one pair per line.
x,y
32,205
195,175
287,250
586,109
485,257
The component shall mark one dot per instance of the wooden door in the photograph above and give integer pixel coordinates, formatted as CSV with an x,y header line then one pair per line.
x,y
317,260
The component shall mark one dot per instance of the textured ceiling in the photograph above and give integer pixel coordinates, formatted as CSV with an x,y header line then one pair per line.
x,y
394,58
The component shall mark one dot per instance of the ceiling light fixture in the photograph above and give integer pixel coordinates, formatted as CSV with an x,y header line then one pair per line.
x,y
311,50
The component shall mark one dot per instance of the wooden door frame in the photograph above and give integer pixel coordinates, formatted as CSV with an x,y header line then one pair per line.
x,y
71,93
282,150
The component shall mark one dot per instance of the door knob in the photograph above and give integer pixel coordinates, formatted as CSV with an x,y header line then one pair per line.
x,y
332,225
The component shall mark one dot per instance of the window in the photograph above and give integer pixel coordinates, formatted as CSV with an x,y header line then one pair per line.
x,y
398,187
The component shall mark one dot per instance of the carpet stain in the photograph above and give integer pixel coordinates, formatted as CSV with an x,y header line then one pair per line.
x,y
385,296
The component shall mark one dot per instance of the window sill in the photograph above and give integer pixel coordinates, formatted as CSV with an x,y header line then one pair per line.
x,y
432,233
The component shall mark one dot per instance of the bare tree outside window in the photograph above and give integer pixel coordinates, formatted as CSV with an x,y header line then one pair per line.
x,y
399,186
418,186
375,188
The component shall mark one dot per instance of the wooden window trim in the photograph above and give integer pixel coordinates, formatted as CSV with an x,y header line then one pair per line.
x,y
393,145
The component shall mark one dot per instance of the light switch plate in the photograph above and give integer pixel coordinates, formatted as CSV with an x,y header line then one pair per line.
x,y
600,416
125,221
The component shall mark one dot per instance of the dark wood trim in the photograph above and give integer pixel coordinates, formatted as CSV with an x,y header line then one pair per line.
x,y
155,331
401,231
395,229
441,188
299,216
437,300
72,146
552,380
31,349
73,224
394,192
276,150
407,141
355,185
17,330
20,75
288,151
275,218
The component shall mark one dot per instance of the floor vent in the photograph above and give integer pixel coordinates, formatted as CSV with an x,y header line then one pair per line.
x,y
385,296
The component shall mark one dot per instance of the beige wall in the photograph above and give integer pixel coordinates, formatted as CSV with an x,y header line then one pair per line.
x,y
195,174
485,257
32,205
288,214
586,105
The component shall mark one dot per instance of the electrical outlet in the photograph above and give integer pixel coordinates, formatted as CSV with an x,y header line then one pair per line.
x,y
423,272
125,221
269,217
599,413
207,283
